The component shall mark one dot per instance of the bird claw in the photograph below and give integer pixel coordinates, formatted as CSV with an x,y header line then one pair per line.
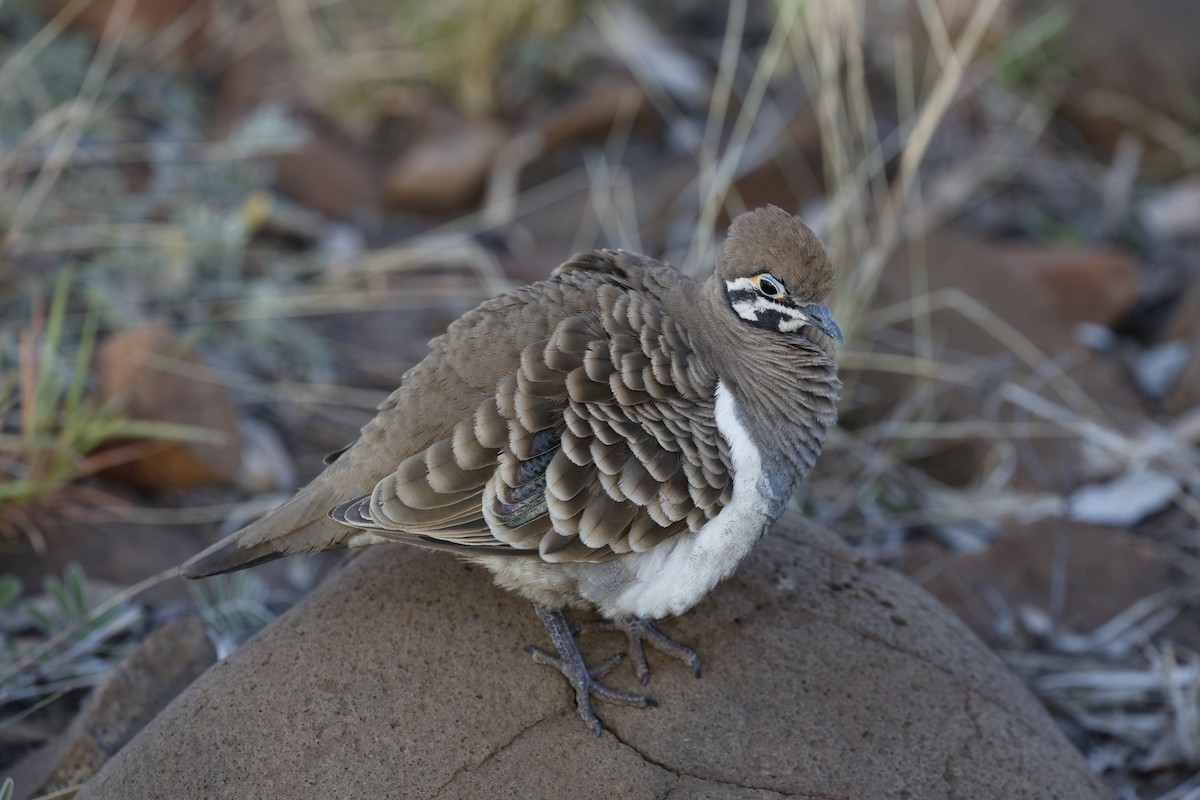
x,y
640,631
582,678
606,666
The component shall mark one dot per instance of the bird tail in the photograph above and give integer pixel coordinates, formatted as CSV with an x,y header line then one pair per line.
x,y
301,525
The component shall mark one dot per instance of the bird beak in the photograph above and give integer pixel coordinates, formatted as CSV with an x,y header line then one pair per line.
x,y
822,319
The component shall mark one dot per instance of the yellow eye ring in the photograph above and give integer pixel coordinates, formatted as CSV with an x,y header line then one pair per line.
x,y
769,286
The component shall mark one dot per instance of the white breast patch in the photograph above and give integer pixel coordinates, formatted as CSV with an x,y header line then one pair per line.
x,y
674,576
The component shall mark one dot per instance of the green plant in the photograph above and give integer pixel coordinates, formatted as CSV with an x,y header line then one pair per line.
x,y
69,638
1037,51
235,609
58,426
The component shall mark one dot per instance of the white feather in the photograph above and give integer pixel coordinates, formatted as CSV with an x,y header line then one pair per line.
x,y
675,575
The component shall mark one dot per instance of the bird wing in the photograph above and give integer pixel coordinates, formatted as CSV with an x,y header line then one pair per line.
x,y
602,441
485,459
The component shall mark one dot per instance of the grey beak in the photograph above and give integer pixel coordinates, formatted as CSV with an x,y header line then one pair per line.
x,y
822,319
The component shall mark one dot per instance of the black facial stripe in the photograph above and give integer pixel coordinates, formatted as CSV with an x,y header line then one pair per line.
x,y
766,316
741,295
772,319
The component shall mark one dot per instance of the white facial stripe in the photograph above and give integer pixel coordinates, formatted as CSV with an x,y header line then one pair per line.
x,y
750,309
798,320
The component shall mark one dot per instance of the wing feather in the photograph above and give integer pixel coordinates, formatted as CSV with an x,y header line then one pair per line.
x,y
602,441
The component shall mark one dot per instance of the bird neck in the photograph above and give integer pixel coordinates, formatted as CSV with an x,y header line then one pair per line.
x,y
785,388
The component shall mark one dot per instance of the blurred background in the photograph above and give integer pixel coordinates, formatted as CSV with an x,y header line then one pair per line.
x,y
227,227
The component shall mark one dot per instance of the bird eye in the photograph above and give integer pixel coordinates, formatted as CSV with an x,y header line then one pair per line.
x,y
769,286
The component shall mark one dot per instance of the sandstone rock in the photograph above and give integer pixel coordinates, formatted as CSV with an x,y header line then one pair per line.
x,y
151,18
1133,61
446,169
603,105
158,382
165,663
403,676
1096,573
1085,284
994,317
322,173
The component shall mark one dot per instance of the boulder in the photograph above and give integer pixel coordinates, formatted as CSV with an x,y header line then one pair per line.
x,y
403,675
148,371
164,664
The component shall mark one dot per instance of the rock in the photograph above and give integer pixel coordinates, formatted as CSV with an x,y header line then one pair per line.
x,y
1133,60
1174,211
1081,574
150,18
1085,284
322,173
445,170
404,675
1125,500
1025,287
115,552
160,383
166,662
604,104
995,319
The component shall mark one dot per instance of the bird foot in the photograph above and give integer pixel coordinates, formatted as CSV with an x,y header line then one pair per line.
x,y
570,662
640,631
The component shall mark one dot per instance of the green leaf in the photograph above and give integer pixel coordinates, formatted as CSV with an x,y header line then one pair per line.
x,y
152,429
83,360
48,382
41,618
58,592
77,583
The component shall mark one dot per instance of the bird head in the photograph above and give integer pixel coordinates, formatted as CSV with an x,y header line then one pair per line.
x,y
776,274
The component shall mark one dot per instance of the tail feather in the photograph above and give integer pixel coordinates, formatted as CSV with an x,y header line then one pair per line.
x,y
228,556
301,525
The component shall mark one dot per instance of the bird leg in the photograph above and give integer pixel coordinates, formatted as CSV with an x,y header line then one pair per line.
x,y
570,662
640,631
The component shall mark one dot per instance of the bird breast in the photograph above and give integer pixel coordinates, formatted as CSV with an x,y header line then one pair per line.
x,y
675,575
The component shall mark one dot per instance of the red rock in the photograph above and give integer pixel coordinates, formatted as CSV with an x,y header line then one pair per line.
x,y
325,176
603,104
1103,572
446,168
322,172
1085,284
150,17
998,318
144,366
1133,61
